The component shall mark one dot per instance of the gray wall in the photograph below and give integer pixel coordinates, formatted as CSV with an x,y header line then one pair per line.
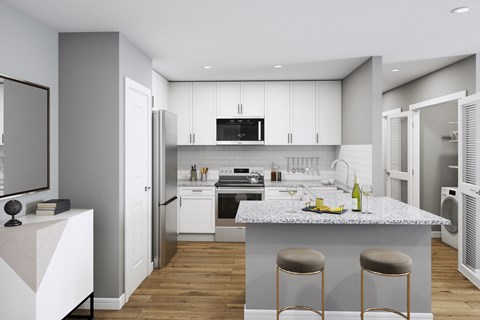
x,y
89,140
436,154
456,77
92,70
362,113
357,105
30,52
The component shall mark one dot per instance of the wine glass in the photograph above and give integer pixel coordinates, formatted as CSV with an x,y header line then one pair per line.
x,y
292,191
366,192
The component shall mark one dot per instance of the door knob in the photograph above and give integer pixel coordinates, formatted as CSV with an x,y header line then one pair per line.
x,y
147,188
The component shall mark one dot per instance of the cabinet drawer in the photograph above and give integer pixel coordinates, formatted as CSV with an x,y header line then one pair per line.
x,y
280,193
196,191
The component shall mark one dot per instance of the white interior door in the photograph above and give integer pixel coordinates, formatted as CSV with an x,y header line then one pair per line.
x,y
398,157
138,128
469,188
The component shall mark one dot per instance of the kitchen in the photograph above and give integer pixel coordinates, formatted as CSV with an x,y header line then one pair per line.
x,y
297,119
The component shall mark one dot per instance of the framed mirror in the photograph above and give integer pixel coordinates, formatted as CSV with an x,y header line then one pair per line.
x,y
24,137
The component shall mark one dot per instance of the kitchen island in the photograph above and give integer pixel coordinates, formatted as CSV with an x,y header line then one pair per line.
x,y
341,238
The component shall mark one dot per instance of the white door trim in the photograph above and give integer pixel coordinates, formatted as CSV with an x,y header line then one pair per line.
x,y
416,107
128,279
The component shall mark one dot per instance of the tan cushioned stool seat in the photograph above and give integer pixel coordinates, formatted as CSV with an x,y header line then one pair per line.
x,y
386,261
300,260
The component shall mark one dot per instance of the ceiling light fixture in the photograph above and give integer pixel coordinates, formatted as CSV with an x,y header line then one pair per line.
x,y
460,10
278,66
395,70
207,67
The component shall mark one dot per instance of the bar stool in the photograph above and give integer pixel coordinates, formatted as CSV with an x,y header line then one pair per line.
x,y
304,262
389,263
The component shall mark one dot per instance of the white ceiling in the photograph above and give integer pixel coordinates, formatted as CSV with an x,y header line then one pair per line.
x,y
243,39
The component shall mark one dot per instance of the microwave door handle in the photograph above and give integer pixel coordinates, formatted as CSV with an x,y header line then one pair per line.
x,y
259,130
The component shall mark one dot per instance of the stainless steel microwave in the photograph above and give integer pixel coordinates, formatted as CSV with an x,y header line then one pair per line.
x,y
240,131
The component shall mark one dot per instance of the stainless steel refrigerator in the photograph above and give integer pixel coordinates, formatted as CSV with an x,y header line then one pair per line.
x,y
164,187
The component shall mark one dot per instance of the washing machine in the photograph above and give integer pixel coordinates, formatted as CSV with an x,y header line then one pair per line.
x,y
449,210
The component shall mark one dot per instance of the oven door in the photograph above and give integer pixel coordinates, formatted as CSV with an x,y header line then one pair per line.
x,y
227,201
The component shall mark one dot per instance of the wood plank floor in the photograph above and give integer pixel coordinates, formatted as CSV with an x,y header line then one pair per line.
x,y
207,281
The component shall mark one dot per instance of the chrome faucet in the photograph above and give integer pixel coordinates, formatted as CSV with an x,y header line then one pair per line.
x,y
334,163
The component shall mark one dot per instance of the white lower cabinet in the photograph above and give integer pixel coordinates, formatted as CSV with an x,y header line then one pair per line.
x,y
281,193
196,210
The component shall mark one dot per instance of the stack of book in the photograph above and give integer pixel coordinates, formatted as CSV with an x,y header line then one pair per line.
x,y
52,207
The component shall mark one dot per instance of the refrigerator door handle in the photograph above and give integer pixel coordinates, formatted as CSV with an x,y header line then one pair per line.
x,y
169,201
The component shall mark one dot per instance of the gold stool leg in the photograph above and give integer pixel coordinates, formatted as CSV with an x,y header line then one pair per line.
x,y
362,306
323,295
408,296
278,296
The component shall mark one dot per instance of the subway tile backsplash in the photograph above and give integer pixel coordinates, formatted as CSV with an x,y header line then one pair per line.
x,y
359,158
215,157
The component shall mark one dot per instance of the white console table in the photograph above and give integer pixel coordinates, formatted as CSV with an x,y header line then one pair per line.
x,y
46,265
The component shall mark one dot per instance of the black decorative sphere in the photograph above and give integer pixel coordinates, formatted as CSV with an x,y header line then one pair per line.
x,y
12,208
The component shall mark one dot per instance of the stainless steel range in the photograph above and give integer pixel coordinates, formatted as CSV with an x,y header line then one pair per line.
x,y
233,186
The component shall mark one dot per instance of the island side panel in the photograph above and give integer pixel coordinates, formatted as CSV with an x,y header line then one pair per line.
x,y
341,245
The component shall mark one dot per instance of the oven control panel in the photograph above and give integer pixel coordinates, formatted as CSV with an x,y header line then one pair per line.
x,y
241,171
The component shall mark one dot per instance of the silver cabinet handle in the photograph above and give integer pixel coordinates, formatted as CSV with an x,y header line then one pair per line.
x,y
241,108
291,137
197,190
180,201
190,138
238,108
317,137
283,191
194,138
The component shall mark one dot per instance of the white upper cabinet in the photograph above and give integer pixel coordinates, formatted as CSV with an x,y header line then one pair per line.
x,y
194,104
203,110
180,96
277,113
303,120
252,99
240,99
159,92
329,112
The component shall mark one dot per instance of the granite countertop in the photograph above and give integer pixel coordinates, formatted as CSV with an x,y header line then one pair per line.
x,y
198,183
384,211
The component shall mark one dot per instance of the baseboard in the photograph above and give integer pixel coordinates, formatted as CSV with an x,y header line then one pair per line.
x,y
436,234
203,237
105,303
256,314
150,268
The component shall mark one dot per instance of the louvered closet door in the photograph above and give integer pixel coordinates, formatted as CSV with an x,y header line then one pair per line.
x,y
398,165
469,187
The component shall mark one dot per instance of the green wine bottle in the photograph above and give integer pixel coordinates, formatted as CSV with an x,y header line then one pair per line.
x,y
356,196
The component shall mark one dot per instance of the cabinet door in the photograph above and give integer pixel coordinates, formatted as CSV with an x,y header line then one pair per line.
x,y
197,214
277,113
252,99
303,120
228,99
180,95
203,111
329,112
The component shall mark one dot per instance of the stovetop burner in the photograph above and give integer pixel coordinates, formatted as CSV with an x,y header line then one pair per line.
x,y
238,177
